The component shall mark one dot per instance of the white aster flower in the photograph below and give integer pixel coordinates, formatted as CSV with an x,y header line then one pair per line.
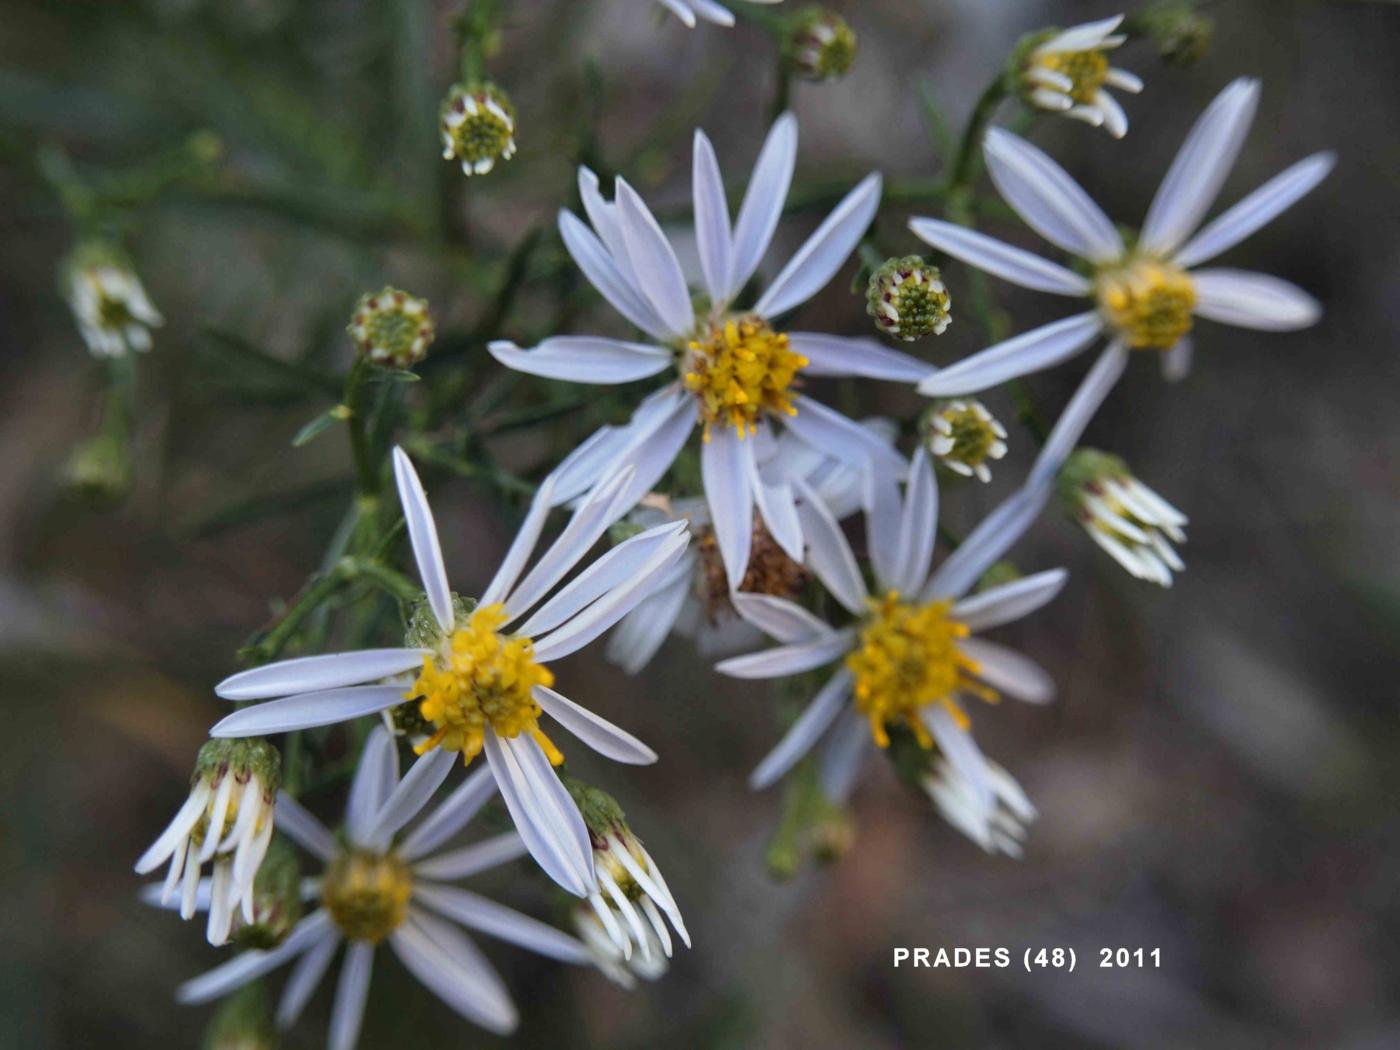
x,y
734,372
482,682
1070,73
110,304
378,886
1003,830
910,655
227,819
1147,296
689,10
963,436
696,601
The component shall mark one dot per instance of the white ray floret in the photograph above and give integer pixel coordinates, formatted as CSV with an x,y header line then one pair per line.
x,y
626,255
1146,297
111,307
1001,831
1069,73
379,886
910,658
490,658
688,11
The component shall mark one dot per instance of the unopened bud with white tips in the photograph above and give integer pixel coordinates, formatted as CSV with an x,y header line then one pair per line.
x,y
965,437
624,923
108,301
228,819
478,126
1122,515
821,45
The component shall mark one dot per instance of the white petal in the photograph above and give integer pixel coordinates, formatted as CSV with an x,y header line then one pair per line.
x,y
522,546
835,355
1259,208
792,659
654,261
617,603
763,203
584,529
1033,351
303,980
1010,601
651,452
776,506
1176,362
1002,260
301,827
1124,81
584,359
409,796
985,544
1115,121
496,920
828,553
309,710
595,731
1088,36
825,252
543,812
454,970
375,778
918,527
451,815
474,859
880,501
422,535
812,723
164,846
312,673
642,631
1050,201
843,438
248,966
603,272
612,570
681,10
1254,300
724,472
711,219
1200,168
963,755
843,756
1009,672
713,12
780,619
1068,429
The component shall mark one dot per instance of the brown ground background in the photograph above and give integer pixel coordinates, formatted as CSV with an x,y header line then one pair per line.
x,y
1217,778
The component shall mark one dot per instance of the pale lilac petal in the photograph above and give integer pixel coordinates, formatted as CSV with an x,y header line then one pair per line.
x,y
654,261
843,438
918,527
843,755
522,546
1001,260
451,815
776,506
711,219
810,725
410,795
724,473
643,631
763,203
584,359
1009,602
309,711
963,755
1009,672
829,554
1033,351
496,920
784,660
250,965
1176,362
454,970
303,980
836,355
423,537
1254,300
603,272
595,731
474,859
294,821
375,778
1068,429
780,619
309,674
985,544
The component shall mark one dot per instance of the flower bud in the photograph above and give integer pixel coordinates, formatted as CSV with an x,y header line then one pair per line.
x,y
622,921
1122,515
228,818
99,471
821,45
1181,33
277,904
108,301
907,298
243,1022
964,436
478,126
392,328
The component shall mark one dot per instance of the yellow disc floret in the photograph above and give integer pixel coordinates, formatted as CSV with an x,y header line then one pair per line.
x,y
908,658
367,894
481,679
738,369
1086,70
1148,302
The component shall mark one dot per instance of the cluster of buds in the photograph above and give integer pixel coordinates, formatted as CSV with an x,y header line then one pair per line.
x,y
392,328
109,302
964,436
478,126
908,299
821,45
622,922
1122,515
227,819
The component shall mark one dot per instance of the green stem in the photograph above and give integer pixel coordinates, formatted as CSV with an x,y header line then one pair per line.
x,y
353,408
967,163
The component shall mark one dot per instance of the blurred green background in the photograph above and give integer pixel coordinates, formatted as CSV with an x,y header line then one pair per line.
x,y
1217,778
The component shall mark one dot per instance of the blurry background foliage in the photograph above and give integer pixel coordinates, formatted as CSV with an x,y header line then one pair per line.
x,y
1218,776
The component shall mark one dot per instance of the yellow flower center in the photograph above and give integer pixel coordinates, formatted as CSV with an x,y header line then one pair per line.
x,y
909,658
1087,70
480,679
367,894
739,368
1150,303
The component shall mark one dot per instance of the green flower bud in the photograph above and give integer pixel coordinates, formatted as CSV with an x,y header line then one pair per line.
x,y
908,299
392,328
243,1022
478,126
821,45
